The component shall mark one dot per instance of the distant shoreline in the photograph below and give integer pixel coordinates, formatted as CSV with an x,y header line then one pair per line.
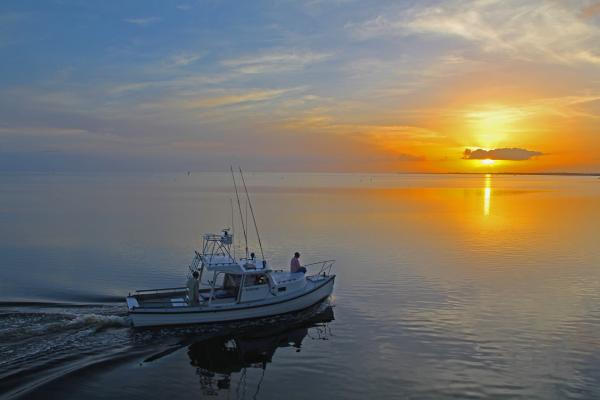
x,y
514,173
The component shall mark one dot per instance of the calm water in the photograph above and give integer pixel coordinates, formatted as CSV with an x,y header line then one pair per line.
x,y
448,287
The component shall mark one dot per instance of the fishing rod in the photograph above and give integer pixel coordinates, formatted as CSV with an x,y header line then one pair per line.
x,y
241,215
232,226
253,218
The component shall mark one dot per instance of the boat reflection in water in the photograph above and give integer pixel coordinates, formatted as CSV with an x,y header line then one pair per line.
x,y
217,359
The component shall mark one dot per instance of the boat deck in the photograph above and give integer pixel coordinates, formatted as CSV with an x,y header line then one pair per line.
x,y
178,298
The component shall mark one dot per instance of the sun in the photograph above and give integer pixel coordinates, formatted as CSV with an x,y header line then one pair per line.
x,y
492,123
487,161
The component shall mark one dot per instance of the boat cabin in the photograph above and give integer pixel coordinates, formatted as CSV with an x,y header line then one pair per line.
x,y
224,279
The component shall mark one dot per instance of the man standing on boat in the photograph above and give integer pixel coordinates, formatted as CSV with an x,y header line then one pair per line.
x,y
193,287
295,264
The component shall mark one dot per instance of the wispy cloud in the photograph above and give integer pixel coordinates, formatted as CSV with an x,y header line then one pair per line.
x,y
235,98
122,88
143,21
243,68
274,61
391,134
177,83
523,29
42,131
503,115
566,106
181,60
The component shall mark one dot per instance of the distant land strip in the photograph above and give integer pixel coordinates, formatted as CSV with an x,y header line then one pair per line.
x,y
508,173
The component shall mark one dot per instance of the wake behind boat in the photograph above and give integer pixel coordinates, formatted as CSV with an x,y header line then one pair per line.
x,y
231,289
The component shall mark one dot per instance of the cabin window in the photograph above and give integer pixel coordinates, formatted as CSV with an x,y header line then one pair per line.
x,y
230,284
231,281
256,279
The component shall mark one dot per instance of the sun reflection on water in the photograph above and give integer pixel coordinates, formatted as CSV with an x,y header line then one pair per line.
x,y
487,194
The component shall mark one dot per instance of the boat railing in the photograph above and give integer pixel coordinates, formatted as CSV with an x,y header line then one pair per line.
x,y
163,304
150,291
325,267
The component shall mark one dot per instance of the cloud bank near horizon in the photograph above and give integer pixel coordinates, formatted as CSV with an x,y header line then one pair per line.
x,y
507,154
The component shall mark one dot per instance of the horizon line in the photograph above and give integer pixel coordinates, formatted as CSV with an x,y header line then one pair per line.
x,y
66,172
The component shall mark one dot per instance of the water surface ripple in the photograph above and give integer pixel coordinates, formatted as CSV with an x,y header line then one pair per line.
x,y
448,287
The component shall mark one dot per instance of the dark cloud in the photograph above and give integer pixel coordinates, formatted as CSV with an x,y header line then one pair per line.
x,y
514,154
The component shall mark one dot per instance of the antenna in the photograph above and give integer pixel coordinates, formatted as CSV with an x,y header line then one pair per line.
x,y
253,218
240,208
232,226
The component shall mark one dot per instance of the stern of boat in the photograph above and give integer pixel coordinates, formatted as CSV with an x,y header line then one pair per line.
x,y
157,298
132,303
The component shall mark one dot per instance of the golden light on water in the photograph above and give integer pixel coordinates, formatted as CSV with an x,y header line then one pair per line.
x,y
487,194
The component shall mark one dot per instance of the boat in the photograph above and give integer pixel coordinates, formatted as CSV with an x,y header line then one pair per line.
x,y
230,288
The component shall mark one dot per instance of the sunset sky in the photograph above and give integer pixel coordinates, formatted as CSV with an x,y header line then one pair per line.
x,y
340,85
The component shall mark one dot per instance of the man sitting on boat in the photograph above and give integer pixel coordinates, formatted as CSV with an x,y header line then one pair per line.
x,y
295,264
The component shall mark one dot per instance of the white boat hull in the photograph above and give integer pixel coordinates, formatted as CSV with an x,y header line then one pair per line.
x,y
207,314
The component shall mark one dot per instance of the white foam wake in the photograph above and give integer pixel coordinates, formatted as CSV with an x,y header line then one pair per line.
x,y
97,321
26,325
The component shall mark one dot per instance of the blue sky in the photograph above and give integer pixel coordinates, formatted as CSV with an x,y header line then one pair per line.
x,y
282,85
